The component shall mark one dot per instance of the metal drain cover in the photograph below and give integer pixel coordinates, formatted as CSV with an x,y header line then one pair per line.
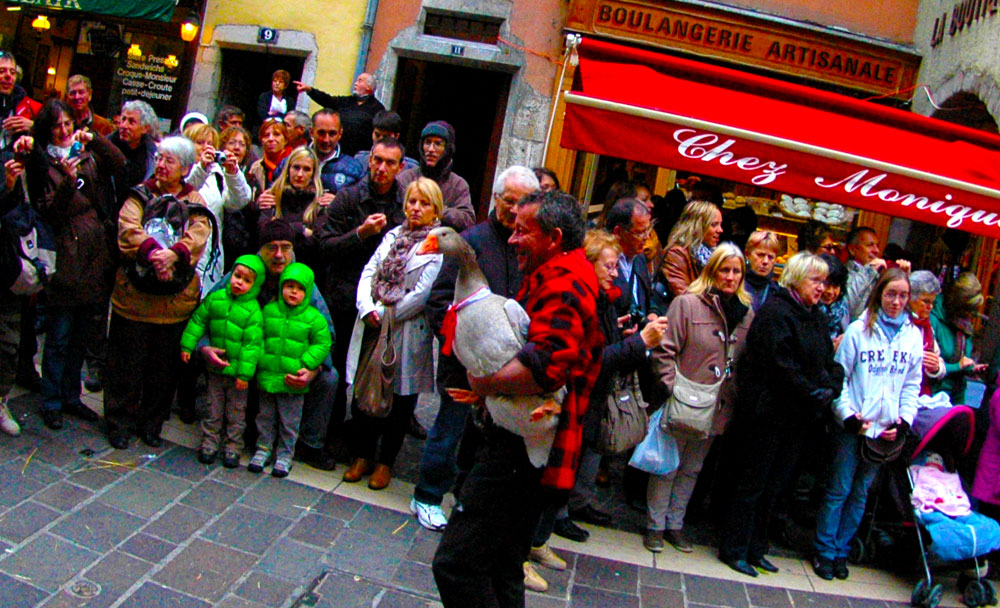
x,y
85,589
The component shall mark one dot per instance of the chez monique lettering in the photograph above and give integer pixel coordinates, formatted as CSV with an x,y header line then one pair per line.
x,y
702,146
866,186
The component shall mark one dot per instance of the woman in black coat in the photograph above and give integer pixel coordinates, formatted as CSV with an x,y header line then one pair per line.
x,y
788,379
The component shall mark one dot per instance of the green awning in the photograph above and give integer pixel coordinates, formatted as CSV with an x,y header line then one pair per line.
x,y
160,10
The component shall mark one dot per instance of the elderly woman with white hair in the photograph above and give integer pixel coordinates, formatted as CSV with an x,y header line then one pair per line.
x,y
788,380
156,291
924,289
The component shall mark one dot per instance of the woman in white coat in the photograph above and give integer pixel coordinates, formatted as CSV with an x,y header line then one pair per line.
x,y
224,187
882,355
394,288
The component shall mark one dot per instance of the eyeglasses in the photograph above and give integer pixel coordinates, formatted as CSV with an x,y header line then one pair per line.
x,y
642,235
611,268
166,159
507,199
896,296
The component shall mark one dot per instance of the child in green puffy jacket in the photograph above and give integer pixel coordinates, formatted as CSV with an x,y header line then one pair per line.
x,y
296,337
234,323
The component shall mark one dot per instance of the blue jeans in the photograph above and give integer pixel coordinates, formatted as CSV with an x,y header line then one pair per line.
x,y
438,467
843,505
66,334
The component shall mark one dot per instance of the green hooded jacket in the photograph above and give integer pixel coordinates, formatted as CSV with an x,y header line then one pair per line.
x,y
294,338
233,324
946,334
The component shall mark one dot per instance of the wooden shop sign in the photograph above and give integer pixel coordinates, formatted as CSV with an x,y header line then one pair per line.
x,y
745,40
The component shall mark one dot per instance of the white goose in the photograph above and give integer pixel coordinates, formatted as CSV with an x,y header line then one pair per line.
x,y
489,331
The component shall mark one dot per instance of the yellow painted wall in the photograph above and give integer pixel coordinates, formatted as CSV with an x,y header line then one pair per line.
x,y
336,25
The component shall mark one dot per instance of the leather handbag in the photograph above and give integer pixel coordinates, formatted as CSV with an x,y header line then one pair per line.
x,y
376,371
625,422
878,451
691,407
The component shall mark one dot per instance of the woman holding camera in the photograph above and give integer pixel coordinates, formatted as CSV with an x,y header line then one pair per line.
x,y
218,179
65,183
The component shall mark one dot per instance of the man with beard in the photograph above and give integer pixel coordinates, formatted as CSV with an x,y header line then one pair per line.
x,y
437,150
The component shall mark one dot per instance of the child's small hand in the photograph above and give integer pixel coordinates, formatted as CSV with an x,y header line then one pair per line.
x,y
185,356
241,384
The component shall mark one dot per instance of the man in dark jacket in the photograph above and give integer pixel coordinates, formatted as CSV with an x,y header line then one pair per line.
x,y
630,222
437,150
135,138
355,223
356,110
479,561
498,261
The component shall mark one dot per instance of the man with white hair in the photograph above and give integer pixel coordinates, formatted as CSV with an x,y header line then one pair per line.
x,y
498,261
357,111
136,138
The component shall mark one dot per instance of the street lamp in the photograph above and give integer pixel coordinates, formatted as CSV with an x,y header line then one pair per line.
x,y
171,62
41,24
134,52
189,28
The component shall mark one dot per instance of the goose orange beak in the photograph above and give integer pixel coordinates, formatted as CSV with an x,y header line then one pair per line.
x,y
429,245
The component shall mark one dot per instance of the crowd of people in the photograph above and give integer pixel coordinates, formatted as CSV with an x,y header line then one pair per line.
x,y
299,272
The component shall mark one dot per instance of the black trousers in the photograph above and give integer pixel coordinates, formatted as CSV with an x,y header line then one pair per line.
x,y
367,430
767,455
141,375
479,560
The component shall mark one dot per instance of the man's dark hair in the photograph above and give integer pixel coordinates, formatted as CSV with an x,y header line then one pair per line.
x,y
811,235
621,214
393,144
558,210
837,273
855,235
325,112
226,112
387,120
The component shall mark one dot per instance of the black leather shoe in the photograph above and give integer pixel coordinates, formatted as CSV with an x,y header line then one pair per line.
x,y
317,458
840,571
823,568
764,564
590,515
118,441
81,411
206,456
741,566
151,439
416,430
567,529
52,419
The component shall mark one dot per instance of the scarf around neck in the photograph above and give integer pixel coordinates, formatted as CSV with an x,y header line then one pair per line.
x,y
701,255
889,325
732,309
388,283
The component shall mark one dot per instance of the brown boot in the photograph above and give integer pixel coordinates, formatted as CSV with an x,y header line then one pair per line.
x,y
359,468
380,478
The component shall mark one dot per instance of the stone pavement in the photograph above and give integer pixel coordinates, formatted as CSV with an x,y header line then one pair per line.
x,y
82,525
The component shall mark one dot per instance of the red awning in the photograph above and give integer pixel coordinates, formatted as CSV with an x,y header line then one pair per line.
x,y
671,112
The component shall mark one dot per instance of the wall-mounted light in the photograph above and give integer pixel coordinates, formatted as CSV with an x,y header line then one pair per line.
x,y
134,52
13,8
51,71
171,61
41,24
189,27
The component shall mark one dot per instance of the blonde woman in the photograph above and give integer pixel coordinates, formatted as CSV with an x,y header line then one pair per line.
x,y
296,197
706,334
788,379
399,279
690,244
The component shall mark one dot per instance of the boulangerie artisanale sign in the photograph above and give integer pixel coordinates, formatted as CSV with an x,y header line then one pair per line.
x,y
793,148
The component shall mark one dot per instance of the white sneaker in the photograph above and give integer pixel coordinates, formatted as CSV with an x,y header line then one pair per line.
x,y
431,517
7,423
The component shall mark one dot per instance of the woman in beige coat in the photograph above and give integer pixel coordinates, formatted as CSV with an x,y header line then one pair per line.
x,y
706,335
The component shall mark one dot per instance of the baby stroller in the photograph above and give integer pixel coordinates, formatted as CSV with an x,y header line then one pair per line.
x,y
884,535
940,508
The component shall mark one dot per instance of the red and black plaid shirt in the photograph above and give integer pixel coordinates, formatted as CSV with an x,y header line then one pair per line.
x,y
563,348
